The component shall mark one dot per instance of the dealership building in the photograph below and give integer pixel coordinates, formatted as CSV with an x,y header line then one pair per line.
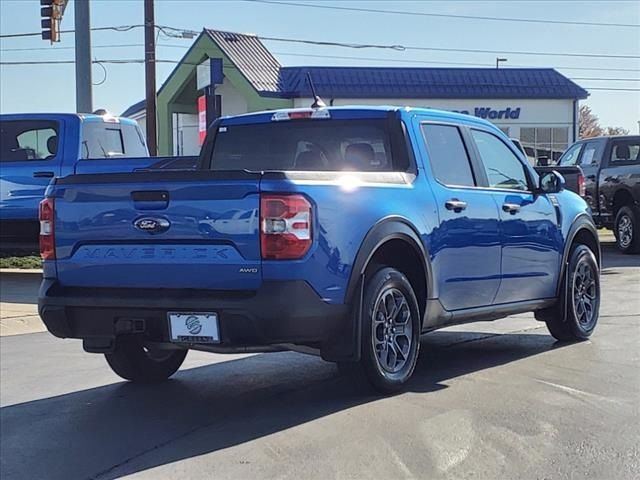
x,y
226,73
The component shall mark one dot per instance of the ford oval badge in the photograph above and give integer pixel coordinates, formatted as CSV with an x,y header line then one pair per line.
x,y
152,225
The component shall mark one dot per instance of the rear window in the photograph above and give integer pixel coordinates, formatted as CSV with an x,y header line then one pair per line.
x,y
307,145
24,140
109,140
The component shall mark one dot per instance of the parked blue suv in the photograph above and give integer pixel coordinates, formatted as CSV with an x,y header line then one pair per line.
x,y
343,231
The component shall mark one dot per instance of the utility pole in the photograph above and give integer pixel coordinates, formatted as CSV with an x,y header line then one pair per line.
x,y
84,97
150,77
499,60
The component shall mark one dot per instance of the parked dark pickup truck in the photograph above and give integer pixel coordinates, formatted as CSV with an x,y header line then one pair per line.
x,y
611,168
573,175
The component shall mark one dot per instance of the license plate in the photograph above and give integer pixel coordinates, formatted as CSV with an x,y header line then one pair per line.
x,y
192,327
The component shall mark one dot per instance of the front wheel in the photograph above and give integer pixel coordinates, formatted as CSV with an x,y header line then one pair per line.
x,y
133,361
575,318
390,332
627,230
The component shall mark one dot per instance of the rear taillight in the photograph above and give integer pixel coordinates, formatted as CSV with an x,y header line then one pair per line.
x,y
285,226
581,186
47,237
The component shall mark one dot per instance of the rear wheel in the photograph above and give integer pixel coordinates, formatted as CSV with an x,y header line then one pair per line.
x,y
390,332
627,229
133,361
576,316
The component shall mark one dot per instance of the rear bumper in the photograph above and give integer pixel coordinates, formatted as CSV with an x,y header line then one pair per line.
x,y
276,313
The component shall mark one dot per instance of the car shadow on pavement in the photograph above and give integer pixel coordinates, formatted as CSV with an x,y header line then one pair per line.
x,y
19,288
612,258
120,429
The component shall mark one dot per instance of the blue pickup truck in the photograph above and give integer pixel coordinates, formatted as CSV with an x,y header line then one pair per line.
x,y
35,147
347,232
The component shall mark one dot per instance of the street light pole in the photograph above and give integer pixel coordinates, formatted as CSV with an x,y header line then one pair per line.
x,y
84,97
150,77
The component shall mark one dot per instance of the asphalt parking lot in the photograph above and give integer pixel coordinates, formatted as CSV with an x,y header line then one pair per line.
x,y
488,400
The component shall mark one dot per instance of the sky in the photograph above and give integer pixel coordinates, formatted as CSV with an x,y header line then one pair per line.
x,y
34,88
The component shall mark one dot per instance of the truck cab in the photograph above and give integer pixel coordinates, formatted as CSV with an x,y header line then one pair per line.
x,y
611,168
36,147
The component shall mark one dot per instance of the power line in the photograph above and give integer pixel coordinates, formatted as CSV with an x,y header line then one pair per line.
x,y
344,57
427,62
443,15
53,49
608,79
122,28
121,61
402,48
614,89
141,61
186,33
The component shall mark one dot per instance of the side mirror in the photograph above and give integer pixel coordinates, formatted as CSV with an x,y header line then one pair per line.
x,y
551,182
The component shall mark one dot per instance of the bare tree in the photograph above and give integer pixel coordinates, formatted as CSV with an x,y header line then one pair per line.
x,y
589,125
615,131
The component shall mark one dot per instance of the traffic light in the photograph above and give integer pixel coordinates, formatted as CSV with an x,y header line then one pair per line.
x,y
51,12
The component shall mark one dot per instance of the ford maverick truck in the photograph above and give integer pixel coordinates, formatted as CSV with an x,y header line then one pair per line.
x,y
348,232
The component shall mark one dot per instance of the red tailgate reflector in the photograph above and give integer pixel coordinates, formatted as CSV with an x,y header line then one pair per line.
x,y
582,190
285,226
47,233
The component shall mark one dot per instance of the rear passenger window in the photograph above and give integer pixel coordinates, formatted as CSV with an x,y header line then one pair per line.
x,y
22,140
625,152
448,155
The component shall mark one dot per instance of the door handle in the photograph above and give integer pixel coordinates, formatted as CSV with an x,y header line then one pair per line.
x,y
511,208
43,174
455,205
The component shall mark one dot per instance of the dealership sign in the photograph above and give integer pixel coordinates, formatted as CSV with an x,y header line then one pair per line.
x,y
492,113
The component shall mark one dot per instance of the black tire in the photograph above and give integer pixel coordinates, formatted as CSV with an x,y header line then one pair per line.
x,y
576,315
133,362
627,229
387,289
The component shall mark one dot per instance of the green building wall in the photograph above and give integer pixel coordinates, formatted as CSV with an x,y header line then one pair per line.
x,y
179,93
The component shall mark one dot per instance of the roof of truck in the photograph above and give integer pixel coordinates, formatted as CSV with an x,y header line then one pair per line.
x,y
86,117
353,111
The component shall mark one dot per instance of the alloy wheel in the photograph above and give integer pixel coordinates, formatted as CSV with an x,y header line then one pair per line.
x,y
392,330
625,231
585,294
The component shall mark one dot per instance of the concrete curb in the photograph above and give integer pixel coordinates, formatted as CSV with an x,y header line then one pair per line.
x,y
14,271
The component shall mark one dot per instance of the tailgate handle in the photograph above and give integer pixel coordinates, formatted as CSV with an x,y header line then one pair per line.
x,y
150,199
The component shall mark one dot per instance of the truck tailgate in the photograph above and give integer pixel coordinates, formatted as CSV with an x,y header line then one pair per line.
x,y
159,230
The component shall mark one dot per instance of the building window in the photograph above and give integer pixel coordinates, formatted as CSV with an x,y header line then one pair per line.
x,y
545,142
